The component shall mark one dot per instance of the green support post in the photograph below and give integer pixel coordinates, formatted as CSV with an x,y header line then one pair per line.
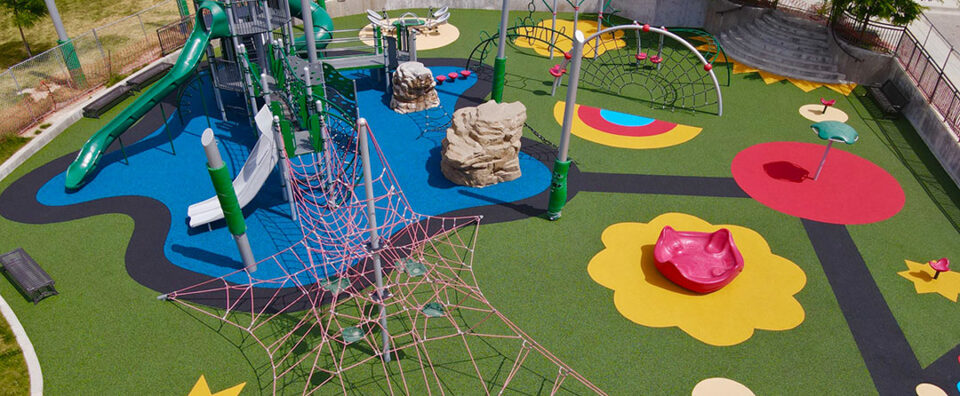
x,y
227,197
73,63
183,8
499,78
288,142
316,140
558,189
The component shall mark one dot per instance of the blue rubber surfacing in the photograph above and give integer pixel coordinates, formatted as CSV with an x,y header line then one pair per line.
x,y
410,143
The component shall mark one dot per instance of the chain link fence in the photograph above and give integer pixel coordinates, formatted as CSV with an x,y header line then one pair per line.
x,y
65,74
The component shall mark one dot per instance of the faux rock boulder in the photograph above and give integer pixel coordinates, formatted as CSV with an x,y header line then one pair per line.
x,y
413,89
483,144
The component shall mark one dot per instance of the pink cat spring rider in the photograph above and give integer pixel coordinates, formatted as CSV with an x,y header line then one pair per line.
x,y
701,262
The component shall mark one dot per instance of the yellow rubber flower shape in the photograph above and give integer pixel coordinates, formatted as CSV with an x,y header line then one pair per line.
x,y
761,297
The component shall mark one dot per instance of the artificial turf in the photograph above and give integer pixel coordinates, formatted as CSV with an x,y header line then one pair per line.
x,y
107,333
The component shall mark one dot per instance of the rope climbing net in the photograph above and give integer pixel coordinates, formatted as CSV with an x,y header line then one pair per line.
x,y
320,322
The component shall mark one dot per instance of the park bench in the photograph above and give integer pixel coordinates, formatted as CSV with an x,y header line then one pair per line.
x,y
889,98
35,283
106,102
147,77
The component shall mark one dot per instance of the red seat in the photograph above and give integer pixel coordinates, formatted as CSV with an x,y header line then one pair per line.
x,y
466,73
656,59
453,75
641,56
556,71
441,79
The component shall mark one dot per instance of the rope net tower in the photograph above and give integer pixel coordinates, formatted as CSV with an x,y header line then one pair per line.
x,y
323,325
661,69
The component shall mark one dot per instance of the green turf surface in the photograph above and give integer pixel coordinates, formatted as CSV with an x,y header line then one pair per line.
x,y
107,333
9,144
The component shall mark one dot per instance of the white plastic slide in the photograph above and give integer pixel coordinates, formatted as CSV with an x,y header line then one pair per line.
x,y
254,173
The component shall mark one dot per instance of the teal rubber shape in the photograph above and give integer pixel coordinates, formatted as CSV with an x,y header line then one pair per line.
x,y
232,213
499,78
322,25
558,189
193,51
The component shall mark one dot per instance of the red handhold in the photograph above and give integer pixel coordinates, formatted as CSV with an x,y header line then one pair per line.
x,y
567,55
441,79
656,59
707,67
646,27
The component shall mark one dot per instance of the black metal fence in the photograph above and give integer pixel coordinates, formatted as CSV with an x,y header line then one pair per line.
x,y
871,35
172,36
930,78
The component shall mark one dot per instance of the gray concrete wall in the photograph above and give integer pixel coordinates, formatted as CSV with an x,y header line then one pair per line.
x,y
931,128
721,15
656,12
861,66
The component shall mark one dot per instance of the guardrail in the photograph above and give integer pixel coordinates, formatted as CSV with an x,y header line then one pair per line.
x,y
871,35
934,79
173,36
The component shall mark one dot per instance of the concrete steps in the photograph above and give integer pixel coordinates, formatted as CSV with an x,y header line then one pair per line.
x,y
784,45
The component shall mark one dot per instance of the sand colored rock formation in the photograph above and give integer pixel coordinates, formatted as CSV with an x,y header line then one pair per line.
x,y
413,89
483,144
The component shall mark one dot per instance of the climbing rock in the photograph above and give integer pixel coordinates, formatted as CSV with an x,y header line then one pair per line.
x,y
413,89
483,144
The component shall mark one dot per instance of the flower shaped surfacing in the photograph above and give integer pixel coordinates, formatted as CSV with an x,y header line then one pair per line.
x,y
761,296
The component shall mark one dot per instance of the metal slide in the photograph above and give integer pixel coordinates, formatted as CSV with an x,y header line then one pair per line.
x,y
86,162
263,157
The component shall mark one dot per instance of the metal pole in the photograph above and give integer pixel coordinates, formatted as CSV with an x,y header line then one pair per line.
x,y
213,77
553,29
142,27
412,44
249,83
57,22
285,165
596,42
374,237
307,18
99,45
234,219
500,64
558,183
166,128
823,160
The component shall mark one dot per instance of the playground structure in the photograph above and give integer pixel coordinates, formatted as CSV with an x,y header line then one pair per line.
x,y
359,233
698,261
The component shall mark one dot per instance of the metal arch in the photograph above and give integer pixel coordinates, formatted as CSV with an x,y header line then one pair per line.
x,y
716,84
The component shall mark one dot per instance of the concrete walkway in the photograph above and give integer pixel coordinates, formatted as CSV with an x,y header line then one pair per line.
x,y
29,355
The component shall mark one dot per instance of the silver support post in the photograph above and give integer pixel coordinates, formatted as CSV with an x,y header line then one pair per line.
x,y
142,27
327,162
374,236
216,89
553,29
504,21
99,45
596,42
823,160
214,161
57,21
307,18
573,81
412,44
288,183
249,83
307,81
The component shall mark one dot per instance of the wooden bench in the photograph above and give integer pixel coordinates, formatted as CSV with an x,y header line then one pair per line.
x,y
142,80
106,102
889,98
35,283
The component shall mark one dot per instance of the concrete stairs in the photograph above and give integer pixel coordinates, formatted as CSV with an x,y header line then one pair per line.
x,y
784,45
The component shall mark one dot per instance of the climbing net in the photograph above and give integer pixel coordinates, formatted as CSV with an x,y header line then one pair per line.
x,y
651,67
320,322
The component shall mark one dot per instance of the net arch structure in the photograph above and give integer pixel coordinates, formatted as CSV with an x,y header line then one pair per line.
x,y
324,324
637,62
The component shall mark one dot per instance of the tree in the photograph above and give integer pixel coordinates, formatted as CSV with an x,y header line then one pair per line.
x,y
898,12
25,13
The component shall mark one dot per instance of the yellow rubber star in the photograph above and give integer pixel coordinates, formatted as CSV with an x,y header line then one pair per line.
x,y
946,285
202,389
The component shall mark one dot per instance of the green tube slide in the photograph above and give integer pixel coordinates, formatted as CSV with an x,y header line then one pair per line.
x,y
322,25
193,51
